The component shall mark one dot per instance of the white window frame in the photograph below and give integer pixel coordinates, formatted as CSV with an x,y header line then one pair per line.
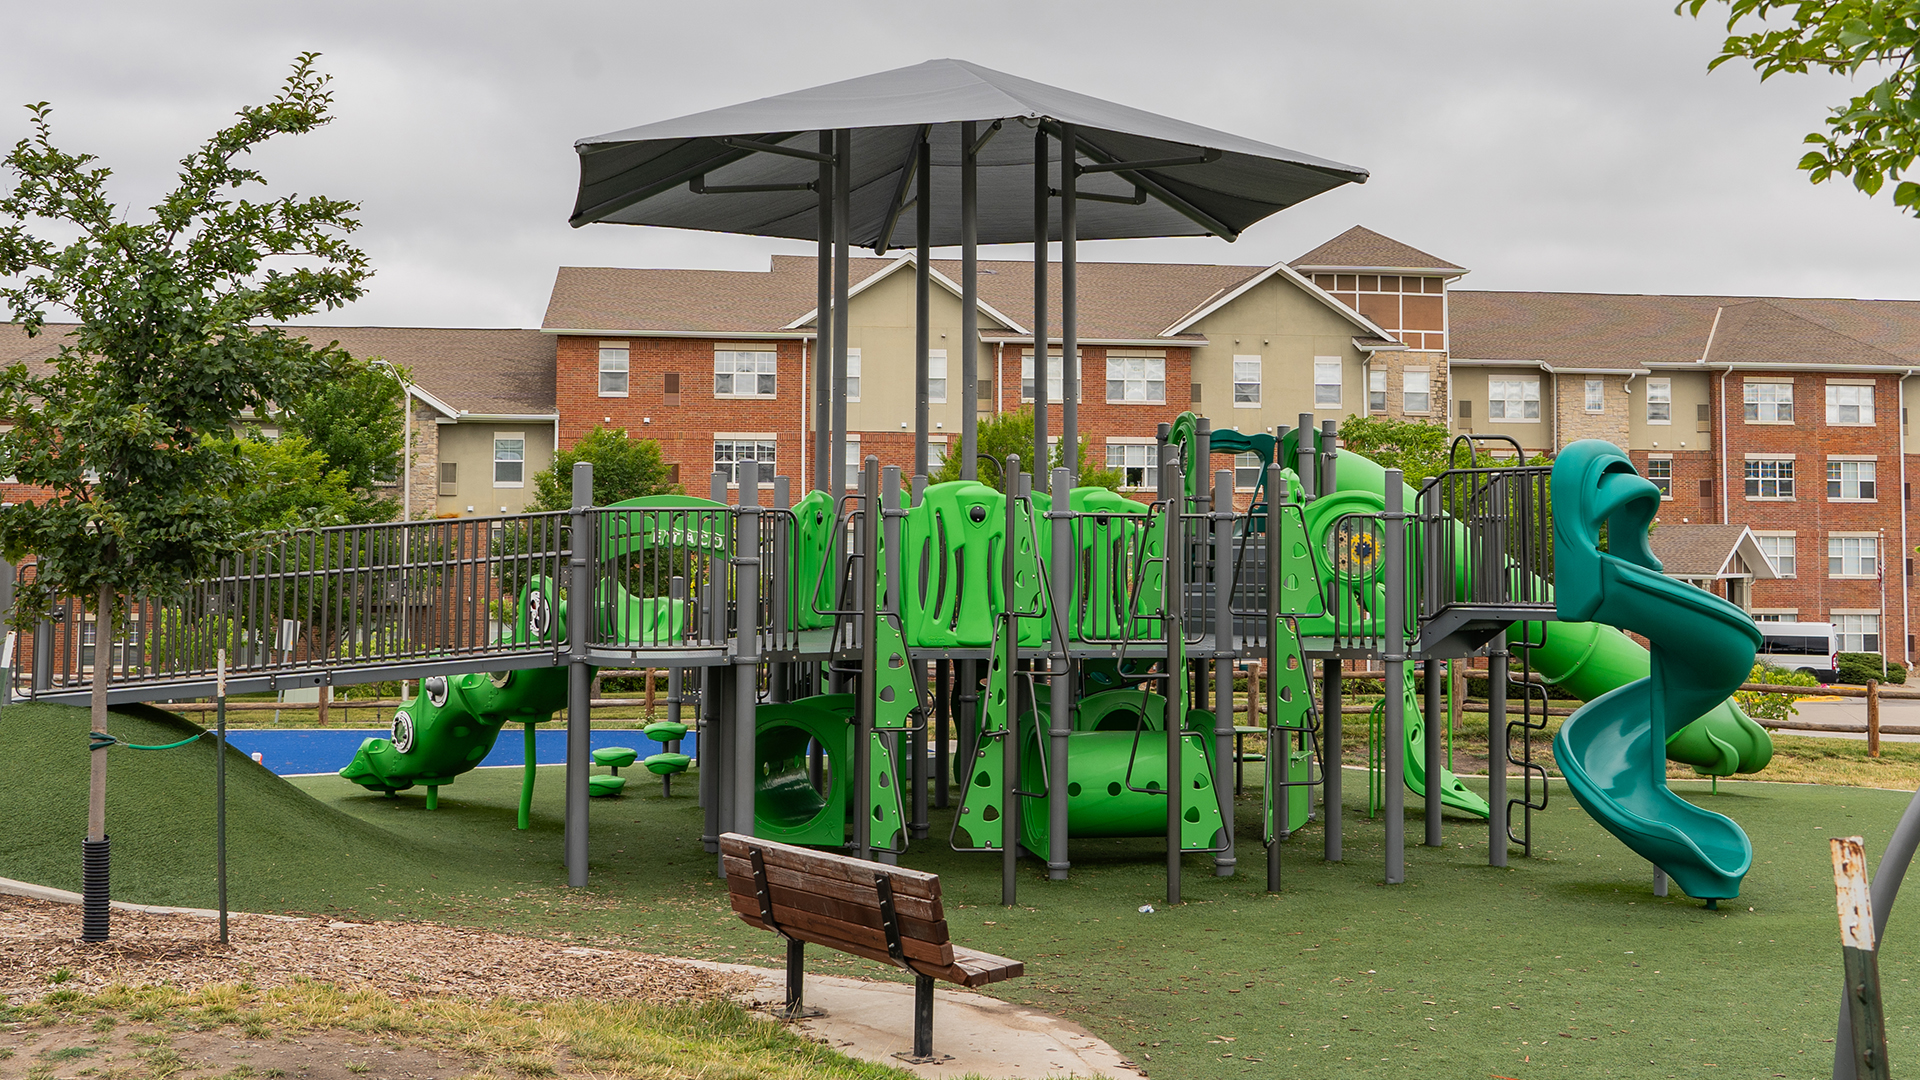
x,y
1666,490
1760,481
1149,366
1791,568
1528,393
1376,389
1149,465
1860,549
1781,614
1246,382
616,358
1839,617
1862,391
1057,384
1596,395
937,376
936,453
1329,393
756,439
850,477
1837,474
853,374
1242,462
509,436
733,374
1407,393
1776,408
1660,393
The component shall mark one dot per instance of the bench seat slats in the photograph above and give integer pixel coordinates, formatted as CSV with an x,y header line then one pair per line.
x,y
823,864
983,968
806,924
740,879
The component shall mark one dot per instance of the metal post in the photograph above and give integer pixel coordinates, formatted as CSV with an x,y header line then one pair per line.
x,y
1069,302
905,746
746,660
1330,460
922,312
969,304
1497,751
220,790
1060,711
1433,728
842,226
1174,589
867,590
922,1017
1393,654
823,322
1278,767
1010,737
1224,652
713,732
1333,757
1306,465
579,675
942,730
1041,195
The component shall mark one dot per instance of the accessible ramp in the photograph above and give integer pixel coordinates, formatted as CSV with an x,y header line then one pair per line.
x,y
1613,750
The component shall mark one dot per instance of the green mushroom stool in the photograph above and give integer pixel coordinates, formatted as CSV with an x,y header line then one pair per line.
x,y
670,761
614,758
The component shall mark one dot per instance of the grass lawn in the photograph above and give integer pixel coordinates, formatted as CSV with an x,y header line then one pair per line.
x,y
1564,964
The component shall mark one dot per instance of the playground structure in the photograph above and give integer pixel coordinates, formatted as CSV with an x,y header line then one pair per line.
x,y
849,659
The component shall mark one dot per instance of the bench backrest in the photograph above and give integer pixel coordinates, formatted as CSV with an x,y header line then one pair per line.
x,y
839,902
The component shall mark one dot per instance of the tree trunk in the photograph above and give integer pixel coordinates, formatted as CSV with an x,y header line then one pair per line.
x,y
102,668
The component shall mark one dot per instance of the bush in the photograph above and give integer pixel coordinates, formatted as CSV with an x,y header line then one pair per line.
x,y
1857,667
1774,707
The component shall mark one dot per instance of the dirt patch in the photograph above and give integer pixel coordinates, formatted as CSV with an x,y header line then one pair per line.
x,y
145,1050
40,951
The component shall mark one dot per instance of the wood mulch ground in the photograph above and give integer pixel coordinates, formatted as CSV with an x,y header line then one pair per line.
x,y
39,939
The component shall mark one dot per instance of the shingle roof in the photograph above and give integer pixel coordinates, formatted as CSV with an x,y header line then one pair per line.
x,y
1695,551
1361,247
478,371
1631,331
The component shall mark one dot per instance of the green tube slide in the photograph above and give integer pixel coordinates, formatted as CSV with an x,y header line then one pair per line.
x,y
1611,749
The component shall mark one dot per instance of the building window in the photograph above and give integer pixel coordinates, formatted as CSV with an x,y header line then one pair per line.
x,y
745,373
613,369
1513,399
728,453
1246,382
449,478
1416,392
1596,395
509,460
937,376
1853,556
1770,478
1659,401
853,374
1377,390
1769,403
852,463
1056,377
1660,471
1246,471
1849,404
1858,633
936,455
1326,381
1137,378
1850,480
1779,552
1136,464
1777,615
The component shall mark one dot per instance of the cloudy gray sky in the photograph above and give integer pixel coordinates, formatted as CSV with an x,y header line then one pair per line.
x,y
1570,145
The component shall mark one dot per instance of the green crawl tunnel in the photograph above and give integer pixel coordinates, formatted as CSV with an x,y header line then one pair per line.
x,y
786,805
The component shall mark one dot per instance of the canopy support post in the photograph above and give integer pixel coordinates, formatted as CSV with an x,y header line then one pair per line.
x,y
1041,194
969,303
842,199
822,314
922,275
1069,303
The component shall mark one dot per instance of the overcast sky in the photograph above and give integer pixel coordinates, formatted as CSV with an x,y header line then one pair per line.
x,y
1563,145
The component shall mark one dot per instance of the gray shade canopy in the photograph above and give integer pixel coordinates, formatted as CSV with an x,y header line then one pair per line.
x,y
652,175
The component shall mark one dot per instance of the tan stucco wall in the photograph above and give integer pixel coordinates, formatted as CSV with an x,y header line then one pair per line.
x,y
1470,384
1691,389
1576,423
1287,328
470,445
880,323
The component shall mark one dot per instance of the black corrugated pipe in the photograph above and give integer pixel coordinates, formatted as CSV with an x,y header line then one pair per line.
x,y
94,912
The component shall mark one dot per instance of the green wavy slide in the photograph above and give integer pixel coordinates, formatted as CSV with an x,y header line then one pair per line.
x,y
1613,750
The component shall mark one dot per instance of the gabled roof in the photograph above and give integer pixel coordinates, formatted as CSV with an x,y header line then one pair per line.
x,y
1369,330
1634,332
934,276
1362,249
1709,551
479,372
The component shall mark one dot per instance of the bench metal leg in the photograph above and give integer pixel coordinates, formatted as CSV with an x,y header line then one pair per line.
x,y
796,1006
923,1024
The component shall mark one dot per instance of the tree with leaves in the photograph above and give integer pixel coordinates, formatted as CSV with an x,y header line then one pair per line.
x,y
1416,447
623,468
128,429
1872,139
354,418
1012,433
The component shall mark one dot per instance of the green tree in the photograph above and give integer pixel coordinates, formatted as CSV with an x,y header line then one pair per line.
x,y
128,430
1415,447
1873,138
288,483
354,417
623,468
1012,433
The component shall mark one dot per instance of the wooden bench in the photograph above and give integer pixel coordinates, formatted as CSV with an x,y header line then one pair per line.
x,y
869,909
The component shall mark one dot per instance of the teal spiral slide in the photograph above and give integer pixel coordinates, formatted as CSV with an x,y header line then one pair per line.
x,y
1613,750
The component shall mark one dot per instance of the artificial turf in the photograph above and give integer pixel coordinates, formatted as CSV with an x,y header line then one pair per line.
x,y
1563,964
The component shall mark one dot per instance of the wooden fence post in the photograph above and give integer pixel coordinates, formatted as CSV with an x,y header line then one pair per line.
x,y
1873,718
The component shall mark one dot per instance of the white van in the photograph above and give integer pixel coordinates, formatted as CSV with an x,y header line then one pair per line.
x,y
1812,647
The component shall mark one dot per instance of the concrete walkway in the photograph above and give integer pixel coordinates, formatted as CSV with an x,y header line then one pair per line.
x,y
1854,711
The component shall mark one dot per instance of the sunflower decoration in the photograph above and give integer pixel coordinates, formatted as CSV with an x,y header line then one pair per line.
x,y
1355,552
